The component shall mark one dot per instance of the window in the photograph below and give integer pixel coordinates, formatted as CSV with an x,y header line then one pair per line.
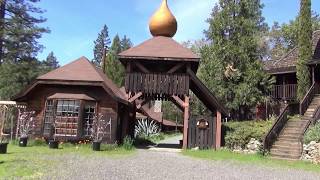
x,y
48,118
68,108
89,111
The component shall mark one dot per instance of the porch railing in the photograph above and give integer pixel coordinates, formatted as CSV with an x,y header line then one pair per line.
x,y
286,92
306,101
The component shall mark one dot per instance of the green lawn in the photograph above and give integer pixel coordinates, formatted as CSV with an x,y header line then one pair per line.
x,y
225,155
32,161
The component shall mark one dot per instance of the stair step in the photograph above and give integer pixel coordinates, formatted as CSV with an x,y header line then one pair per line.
x,y
293,134
285,155
288,140
286,143
296,136
283,158
286,146
291,152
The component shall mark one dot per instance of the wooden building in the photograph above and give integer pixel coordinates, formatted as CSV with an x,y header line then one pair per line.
x,y
284,70
69,97
162,69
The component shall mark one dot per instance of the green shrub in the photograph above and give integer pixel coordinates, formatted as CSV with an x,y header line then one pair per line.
x,y
313,134
127,143
238,134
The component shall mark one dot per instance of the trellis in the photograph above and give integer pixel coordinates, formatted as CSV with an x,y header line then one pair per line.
x,y
5,108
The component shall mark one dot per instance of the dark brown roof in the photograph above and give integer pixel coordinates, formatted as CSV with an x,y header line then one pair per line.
x,y
160,48
82,72
288,62
71,96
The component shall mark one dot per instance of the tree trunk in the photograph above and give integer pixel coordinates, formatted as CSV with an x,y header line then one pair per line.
x,y
2,14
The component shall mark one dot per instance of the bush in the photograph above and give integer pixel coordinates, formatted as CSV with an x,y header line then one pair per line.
x,y
127,143
238,134
313,134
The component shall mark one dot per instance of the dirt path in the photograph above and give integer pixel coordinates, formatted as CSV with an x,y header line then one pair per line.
x,y
148,164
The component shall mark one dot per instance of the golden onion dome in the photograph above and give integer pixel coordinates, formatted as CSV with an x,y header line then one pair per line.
x,y
163,22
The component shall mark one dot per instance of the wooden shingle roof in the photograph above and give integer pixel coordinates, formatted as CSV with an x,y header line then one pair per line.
x,y
160,48
288,62
81,72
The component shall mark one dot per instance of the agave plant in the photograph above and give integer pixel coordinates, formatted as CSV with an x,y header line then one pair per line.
x,y
146,128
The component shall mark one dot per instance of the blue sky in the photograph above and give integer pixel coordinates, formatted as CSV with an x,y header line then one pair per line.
x,y
74,24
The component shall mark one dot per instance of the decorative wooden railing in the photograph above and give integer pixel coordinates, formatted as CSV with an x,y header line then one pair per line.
x,y
286,92
277,127
157,84
306,101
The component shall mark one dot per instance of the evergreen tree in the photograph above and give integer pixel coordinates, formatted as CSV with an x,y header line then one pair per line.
x,y
20,31
19,21
231,64
305,48
51,61
114,68
283,38
125,43
101,43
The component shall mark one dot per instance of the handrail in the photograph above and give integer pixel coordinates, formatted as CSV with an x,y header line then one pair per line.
x,y
312,120
306,101
275,130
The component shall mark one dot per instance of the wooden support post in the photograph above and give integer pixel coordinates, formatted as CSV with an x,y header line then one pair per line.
x,y
283,87
185,122
312,68
218,130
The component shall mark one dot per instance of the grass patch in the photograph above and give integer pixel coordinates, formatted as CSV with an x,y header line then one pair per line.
x,y
32,161
252,159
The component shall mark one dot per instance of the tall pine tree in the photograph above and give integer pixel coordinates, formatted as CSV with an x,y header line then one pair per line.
x,y
101,43
20,29
20,22
231,64
114,69
305,48
51,61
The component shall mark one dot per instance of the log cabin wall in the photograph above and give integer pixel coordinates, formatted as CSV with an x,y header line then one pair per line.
x,y
106,104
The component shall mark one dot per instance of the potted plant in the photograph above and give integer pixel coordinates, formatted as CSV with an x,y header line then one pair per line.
x,y
3,144
26,125
53,143
3,140
98,130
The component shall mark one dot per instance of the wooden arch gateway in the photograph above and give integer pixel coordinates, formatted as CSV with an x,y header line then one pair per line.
x,y
162,69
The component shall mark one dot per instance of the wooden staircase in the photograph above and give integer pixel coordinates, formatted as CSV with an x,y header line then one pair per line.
x,y
288,145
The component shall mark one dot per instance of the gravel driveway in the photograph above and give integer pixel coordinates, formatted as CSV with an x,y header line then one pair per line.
x,y
148,164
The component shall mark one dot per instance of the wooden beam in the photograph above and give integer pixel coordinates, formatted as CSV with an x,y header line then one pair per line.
x,y
175,68
185,123
218,130
136,96
179,101
142,68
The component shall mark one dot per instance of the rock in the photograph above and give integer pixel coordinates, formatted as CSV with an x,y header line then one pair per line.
x,y
311,152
